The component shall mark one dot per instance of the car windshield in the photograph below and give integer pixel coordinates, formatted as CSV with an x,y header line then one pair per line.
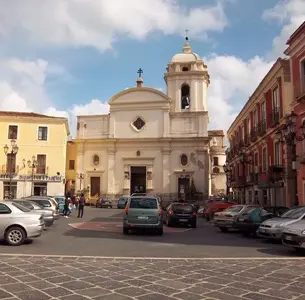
x,y
294,213
182,208
236,208
21,207
143,203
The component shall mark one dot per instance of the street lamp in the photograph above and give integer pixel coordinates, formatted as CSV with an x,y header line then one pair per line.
x,y
33,165
244,159
287,134
10,154
81,177
228,171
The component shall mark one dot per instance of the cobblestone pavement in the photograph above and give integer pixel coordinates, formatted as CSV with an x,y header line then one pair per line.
x,y
81,278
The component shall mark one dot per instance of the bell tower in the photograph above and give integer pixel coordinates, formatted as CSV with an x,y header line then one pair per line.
x,y
187,81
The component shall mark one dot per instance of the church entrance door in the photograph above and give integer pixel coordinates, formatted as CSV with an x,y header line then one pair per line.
x,y
137,180
184,188
95,185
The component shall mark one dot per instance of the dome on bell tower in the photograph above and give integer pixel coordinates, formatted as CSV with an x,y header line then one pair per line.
x,y
186,56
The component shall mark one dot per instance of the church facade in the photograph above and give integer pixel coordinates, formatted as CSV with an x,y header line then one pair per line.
x,y
152,141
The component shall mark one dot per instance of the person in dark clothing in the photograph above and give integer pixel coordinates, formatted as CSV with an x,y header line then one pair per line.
x,y
81,204
66,208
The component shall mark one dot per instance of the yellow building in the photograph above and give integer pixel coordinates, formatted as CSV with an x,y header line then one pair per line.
x,y
33,159
70,166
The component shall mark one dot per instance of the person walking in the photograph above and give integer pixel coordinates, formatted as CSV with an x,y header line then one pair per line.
x,y
66,208
81,204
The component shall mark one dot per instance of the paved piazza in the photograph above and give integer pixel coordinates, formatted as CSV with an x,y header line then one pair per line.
x,y
90,258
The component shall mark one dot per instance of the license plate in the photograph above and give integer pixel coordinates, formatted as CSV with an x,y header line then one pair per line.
x,y
262,230
241,219
106,202
142,218
288,238
183,220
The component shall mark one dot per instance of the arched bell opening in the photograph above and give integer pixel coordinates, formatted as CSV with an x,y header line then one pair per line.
x,y
185,96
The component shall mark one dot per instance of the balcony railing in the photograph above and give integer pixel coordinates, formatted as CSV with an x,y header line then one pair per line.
x,y
261,127
253,134
5,169
275,116
41,170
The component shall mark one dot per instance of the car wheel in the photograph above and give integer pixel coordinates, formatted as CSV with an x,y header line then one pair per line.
x,y
223,229
15,236
160,231
125,230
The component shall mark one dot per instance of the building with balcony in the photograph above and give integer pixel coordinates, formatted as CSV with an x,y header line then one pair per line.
x,y
296,52
256,158
33,159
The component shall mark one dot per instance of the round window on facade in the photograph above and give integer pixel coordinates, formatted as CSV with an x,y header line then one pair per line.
x,y
96,160
183,159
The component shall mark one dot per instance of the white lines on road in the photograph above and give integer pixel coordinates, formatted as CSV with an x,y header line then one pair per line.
x,y
156,258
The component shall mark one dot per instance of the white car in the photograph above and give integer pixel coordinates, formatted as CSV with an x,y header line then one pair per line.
x,y
17,223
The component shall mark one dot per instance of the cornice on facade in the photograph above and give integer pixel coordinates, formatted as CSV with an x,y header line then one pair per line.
x,y
277,70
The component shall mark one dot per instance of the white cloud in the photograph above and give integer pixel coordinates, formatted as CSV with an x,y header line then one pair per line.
x,y
232,83
290,14
98,23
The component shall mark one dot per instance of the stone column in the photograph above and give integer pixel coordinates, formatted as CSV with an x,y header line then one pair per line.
x,y
111,172
149,178
166,188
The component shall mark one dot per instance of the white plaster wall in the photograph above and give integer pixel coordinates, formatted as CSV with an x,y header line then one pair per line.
x,y
1,190
154,123
24,188
93,127
219,182
56,188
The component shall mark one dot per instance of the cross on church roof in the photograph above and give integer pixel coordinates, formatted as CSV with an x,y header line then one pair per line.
x,y
140,72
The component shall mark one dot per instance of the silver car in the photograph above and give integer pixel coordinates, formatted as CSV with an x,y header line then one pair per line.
x,y
46,202
48,215
17,223
273,228
294,235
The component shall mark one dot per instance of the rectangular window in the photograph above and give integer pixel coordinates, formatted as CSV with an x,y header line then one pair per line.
x,y
12,132
215,161
303,76
277,154
255,117
72,164
42,133
263,111
264,159
249,126
41,164
10,163
275,98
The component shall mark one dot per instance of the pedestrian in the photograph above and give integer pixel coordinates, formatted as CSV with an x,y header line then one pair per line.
x,y
66,208
81,204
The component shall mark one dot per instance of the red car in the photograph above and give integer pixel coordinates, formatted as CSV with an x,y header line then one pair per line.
x,y
214,207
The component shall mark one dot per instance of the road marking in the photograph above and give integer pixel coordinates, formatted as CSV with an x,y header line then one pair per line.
x,y
155,258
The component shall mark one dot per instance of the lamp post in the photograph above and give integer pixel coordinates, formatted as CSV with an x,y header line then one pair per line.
x,y
287,134
10,154
33,165
228,171
244,159
81,177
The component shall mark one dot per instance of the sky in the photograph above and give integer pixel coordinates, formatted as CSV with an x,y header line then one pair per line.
x,y
69,57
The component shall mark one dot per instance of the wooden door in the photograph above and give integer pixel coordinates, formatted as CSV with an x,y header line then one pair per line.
x,y
95,184
41,164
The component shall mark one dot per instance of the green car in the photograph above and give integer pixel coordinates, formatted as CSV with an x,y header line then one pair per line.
x,y
143,213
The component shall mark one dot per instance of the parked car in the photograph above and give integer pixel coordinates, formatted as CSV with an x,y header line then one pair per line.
x,y
138,195
122,202
104,202
249,221
273,228
294,235
180,213
46,202
225,220
214,207
17,223
48,217
61,202
143,213
200,212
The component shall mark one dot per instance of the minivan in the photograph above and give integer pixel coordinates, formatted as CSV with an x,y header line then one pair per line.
x,y
143,213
